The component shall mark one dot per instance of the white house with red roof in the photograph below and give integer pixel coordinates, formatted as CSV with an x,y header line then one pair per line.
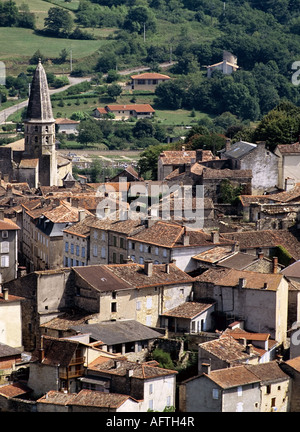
x,y
121,111
147,81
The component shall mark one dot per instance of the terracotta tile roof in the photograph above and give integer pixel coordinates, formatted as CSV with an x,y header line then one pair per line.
x,y
114,277
214,255
133,107
82,228
11,298
238,333
14,390
66,121
227,349
67,320
294,363
269,372
161,233
57,398
150,75
58,351
8,225
101,110
281,197
99,399
64,213
232,377
29,163
289,148
139,370
188,310
267,238
127,226
231,277
209,173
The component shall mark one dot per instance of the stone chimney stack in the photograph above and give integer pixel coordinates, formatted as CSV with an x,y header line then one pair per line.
x,y
148,267
275,264
215,237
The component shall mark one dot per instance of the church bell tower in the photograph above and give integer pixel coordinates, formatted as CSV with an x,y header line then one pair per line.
x,y
39,128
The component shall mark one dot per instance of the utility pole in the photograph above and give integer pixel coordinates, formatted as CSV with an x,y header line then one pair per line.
x,y
144,32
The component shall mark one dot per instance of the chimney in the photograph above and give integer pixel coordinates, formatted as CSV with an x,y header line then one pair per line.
x,y
289,184
186,239
260,254
199,155
1,213
167,268
215,238
205,368
41,354
242,283
235,247
249,349
275,264
148,267
265,285
228,144
183,148
5,293
81,215
243,341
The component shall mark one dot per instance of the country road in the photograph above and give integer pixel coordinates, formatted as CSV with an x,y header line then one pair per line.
x,y
4,114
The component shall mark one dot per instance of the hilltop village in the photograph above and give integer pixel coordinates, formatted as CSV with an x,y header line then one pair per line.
x,y
128,296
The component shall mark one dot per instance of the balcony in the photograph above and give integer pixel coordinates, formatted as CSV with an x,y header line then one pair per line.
x,y
65,375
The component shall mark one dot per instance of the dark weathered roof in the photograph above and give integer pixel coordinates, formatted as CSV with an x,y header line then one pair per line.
x,y
233,377
39,105
188,310
100,399
8,351
114,277
269,372
116,332
240,149
58,351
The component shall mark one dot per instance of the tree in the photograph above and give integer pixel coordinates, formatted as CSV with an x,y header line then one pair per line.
x,y
148,161
114,90
138,17
58,22
89,132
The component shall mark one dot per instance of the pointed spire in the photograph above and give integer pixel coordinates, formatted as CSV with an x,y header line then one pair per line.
x,y
39,105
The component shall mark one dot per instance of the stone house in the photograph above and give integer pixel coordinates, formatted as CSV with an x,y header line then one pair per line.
x,y
259,299
288,163
292,368
109,240
227,66
131,291
124,112
257,158
129,173
128,337
67,126
86,401
11,319
46,294
165,242
247,388
274,211
58,364
189,317
9,359
147,81
8,248
76,241
153,386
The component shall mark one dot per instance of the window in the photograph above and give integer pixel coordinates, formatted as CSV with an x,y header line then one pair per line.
x,y
4,234
149,303
150,388
169,401
83,252
141,248
103,236
150,404
114,240
148,320
95,250
132,246
268,389
5,247
141,260
122,243
72,248
121,259
103,252
77,250
240,391
114,307
114,258
215,394
96,234
133,258
5,261
138,305
164,252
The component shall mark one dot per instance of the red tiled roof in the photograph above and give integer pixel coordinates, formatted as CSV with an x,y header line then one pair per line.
x,y
133,107
66,121
289,148
8,225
